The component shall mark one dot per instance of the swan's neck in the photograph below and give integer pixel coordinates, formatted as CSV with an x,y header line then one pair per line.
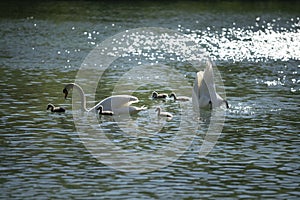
x,y
51,107
82,96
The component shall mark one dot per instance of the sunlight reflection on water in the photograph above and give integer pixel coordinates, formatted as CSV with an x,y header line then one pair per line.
x,y
256,157
255,43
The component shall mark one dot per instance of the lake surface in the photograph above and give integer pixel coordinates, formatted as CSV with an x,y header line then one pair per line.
x,y
256,50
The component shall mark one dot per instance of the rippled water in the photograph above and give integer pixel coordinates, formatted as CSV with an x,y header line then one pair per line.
x,y
255,48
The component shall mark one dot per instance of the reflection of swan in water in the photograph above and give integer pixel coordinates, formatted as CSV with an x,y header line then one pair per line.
x,y
104,112
204,93
156,95
55,109
119,104
163,114
179,98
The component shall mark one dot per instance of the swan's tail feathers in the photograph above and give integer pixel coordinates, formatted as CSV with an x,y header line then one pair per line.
x,y
138,109
143,107
133,99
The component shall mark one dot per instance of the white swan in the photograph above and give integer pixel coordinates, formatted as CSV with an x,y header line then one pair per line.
x,y
163,114
179,98
204,93
118,104
55,109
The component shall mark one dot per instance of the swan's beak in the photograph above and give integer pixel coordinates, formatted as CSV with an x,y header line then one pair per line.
x,y
226,102
65,91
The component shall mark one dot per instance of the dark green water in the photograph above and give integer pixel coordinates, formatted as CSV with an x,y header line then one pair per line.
x,y
255,47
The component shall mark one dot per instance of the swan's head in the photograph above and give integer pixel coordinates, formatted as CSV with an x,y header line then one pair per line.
x,y
65,91
154,94
50,106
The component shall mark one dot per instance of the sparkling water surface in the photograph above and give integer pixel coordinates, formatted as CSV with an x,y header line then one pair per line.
x,y
255,47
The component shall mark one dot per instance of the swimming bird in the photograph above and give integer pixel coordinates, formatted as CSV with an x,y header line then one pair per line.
x,y
104,112
156,95
163,114
55,109
204,91
118,104
179,98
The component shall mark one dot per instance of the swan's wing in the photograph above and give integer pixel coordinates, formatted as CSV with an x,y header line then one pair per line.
x,y
128,110
200,95
209,79
117,101
196,89
201,85
197,84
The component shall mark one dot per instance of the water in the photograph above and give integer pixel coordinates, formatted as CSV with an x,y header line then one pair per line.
x,y
256,49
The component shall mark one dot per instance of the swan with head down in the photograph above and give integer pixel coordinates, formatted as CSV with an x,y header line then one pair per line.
x,y
118,104
204,91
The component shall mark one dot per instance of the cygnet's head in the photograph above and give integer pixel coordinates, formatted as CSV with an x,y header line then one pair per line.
x,y
172,95
154,94
100,108
50,106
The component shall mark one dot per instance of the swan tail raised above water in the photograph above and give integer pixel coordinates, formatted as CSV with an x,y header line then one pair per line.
x,y
204,91
201,96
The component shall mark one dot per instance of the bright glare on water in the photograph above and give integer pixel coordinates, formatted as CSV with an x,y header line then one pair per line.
x,y
255,47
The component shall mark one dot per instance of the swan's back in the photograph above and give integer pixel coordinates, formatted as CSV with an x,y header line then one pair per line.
x,y
117,101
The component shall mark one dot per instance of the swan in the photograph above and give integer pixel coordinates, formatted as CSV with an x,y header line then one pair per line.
x,y
163,114
55,109
119,104
156,95
204,91
179,98
104,112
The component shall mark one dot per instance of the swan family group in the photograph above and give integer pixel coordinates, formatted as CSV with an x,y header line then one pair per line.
x,y
204,95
